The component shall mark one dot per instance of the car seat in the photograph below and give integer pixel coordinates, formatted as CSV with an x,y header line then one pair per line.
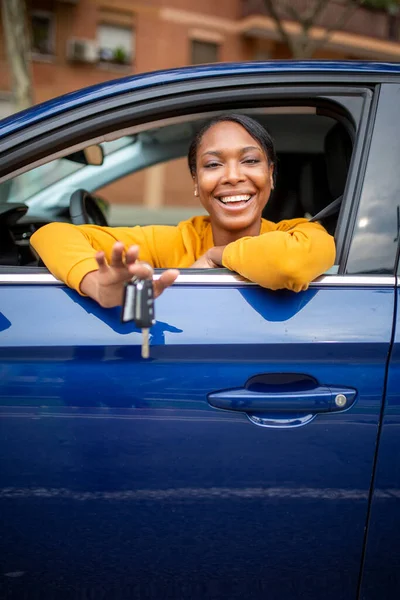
x,y
324,181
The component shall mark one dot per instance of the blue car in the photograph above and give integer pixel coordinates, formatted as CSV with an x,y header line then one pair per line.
x,y
256,453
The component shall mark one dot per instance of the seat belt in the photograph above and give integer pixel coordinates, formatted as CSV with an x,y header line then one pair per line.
x,y
329,210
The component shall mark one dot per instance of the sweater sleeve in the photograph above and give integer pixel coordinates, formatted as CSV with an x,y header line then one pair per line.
x,y
68,251
291,256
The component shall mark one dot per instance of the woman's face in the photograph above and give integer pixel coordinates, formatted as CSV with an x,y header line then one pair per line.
x,y
234,178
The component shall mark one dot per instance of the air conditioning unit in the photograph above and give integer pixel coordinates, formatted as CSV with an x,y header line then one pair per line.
x,y
82,50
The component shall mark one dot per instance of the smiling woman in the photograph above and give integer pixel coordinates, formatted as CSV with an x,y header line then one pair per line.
x,y
233,165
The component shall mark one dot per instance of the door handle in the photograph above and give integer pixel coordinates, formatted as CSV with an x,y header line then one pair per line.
x,y
319,399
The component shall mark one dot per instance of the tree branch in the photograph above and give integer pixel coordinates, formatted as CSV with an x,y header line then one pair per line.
x,y
347,12
301,46
286,38
295,14
314,13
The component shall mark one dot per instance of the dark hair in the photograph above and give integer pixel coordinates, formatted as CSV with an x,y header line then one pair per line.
x,y
253,128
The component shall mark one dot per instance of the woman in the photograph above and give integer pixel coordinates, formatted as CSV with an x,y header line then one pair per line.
x,y
232,163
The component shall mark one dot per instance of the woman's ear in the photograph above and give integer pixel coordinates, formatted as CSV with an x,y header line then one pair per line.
x,y
271,175
196,188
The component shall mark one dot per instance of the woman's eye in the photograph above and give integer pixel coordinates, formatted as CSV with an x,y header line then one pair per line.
x,y
251,161
211,165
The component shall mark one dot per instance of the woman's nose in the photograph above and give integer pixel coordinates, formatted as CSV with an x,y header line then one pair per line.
x,y
233,173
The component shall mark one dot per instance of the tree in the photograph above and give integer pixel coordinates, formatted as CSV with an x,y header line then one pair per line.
x,y
17,37
391,6
308,14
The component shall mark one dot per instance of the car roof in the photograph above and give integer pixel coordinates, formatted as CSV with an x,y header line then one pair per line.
x,y
115,87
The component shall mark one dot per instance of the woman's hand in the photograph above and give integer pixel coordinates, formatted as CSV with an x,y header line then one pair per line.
x,y
212,259
106,285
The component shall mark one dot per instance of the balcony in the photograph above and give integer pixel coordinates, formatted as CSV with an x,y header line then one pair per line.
x,y
377,24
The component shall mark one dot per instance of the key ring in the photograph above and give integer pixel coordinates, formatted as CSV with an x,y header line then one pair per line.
x,y
135,278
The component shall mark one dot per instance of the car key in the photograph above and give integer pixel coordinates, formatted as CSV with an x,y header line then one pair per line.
x,y
138,306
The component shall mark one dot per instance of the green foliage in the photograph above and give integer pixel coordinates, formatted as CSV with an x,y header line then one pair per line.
x,y
391,6
120,55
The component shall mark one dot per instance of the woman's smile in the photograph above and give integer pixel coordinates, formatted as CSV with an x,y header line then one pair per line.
x,y
235,201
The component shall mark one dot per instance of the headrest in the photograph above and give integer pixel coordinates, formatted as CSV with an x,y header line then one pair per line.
x,y
338,148
313,185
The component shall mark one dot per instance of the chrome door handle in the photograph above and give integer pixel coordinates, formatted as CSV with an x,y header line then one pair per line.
x,y
320,399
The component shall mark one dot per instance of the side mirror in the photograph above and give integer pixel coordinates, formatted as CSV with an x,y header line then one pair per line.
x,y
92,155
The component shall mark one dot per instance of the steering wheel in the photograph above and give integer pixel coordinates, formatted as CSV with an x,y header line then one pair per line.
x,y
84,209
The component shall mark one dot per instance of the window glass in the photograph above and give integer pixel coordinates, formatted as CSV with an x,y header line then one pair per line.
x,y
27,184
204,52
23,187
161,194
116,43
42,32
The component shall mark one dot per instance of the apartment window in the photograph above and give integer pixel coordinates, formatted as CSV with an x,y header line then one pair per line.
x,y
116,43
42,32
204,52
394,27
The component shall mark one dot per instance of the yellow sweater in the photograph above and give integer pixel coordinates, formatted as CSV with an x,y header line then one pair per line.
x,y
288,254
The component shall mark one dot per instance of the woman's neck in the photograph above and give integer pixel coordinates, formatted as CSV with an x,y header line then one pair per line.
x,y
222,237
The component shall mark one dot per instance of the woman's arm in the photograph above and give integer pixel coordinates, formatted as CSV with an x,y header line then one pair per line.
x,y
289,257
97,261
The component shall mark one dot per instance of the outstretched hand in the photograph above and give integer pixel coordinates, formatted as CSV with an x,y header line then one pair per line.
x,y
106,285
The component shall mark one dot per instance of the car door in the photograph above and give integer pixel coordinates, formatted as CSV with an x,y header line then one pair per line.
x,y
236,461
381,577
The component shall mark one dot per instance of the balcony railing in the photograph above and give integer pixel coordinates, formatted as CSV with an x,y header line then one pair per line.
x,y
363,21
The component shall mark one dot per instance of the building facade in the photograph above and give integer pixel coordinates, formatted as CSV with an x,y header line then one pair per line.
x,y
76,43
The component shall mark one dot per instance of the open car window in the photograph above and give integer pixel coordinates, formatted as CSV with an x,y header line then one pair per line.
x,y
300,137
144,178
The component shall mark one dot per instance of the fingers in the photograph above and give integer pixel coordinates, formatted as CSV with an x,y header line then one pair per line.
x,y
101,261
132,254
125,265
117,256
165,280
120,258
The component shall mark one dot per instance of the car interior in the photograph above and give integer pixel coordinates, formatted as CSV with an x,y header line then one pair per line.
x,y
314,150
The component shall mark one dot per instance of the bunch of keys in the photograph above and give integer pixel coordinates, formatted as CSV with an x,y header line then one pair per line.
x,y
138,306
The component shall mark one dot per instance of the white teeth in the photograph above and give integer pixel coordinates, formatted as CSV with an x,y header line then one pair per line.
x,y
242,198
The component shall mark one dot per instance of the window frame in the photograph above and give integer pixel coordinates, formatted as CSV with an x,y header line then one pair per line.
x,y
249,95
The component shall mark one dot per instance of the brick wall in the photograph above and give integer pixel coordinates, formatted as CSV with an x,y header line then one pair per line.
x,y
163,30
